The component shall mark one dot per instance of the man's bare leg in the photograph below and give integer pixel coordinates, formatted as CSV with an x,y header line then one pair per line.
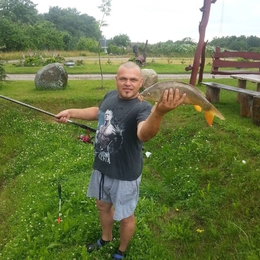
x,y
106,213
127,229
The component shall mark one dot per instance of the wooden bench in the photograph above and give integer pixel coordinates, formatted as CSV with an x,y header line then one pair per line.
x,y
249,100
235,62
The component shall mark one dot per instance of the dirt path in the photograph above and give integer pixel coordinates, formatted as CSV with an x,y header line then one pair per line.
x,y
107,76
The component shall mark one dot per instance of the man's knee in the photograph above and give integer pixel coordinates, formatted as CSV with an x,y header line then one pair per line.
x,y
103,206
128,221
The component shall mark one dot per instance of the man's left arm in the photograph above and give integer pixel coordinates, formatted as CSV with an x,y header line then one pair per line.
x,y
147,129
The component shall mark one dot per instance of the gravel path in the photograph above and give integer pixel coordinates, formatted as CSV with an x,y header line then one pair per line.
x,y
108,76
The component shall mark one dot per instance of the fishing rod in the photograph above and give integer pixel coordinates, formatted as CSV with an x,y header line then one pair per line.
x,y
59,194
48,113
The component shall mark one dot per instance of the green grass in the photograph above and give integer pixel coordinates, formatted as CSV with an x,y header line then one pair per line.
x,y
110,66
199,194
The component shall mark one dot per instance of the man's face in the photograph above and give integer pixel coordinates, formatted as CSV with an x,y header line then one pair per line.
x,y
108,115
128,81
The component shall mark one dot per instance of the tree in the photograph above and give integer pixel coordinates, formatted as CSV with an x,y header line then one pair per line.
x,y
253,41
121,40
105,8
87,44
13,36
23,11
45,36
76,24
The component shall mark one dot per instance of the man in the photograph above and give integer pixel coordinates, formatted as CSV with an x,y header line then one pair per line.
x,y
124,123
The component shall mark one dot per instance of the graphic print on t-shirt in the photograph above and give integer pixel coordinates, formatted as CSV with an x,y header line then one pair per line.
x,y
109,136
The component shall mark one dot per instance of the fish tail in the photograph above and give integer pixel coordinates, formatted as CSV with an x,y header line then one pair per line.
x,y
209,115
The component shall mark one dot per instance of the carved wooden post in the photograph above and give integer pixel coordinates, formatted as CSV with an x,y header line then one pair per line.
x,y
202,29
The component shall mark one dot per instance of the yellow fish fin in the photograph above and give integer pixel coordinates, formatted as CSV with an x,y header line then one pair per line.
x,y
198,108
209,116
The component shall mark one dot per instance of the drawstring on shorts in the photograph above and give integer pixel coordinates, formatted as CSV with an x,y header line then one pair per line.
x,y
101,185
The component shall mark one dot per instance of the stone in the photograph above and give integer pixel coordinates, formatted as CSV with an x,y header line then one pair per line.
x,y
51,76
150,77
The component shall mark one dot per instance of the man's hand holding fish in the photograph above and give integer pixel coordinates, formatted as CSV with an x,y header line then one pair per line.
x,y
171,99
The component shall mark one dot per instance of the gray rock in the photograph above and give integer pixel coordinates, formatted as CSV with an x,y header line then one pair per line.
x,y
150,77
51,76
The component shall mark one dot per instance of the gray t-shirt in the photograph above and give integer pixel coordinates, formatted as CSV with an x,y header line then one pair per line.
x,y
118,151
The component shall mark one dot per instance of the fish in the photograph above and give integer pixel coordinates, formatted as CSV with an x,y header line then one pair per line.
x,y
194,97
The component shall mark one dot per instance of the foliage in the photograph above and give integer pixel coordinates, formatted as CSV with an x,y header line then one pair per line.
x,y
241,43
70,20
13,36
22,28
36,60
115,50
199,192
45,36
19,11
60,29
87,44
122,41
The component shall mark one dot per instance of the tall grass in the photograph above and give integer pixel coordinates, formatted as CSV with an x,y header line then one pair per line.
x,y
199,193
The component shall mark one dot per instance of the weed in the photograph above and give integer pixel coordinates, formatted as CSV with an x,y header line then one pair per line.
x,y
199,197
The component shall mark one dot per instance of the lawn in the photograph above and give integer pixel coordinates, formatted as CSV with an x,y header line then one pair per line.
x,y
90,65
199,195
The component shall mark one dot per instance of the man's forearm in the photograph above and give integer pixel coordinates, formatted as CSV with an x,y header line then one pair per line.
x,y
150,127
89,114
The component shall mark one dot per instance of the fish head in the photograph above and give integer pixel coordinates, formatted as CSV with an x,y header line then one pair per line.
x,y
152,94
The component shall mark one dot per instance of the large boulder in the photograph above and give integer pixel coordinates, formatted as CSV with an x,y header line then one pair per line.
x,y
51,76
150,77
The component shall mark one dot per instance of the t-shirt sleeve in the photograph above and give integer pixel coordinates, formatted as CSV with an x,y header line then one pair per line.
x,y
144,112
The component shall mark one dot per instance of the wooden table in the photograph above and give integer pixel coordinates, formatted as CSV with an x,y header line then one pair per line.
x,y
243,78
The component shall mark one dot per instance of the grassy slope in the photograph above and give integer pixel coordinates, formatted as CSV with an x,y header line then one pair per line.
x,y
199,193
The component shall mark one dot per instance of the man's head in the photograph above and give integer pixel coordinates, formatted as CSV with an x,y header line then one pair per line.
x,y
128,80
108,114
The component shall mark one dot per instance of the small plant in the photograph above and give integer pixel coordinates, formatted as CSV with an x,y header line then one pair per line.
x,y
169,60
109,62
79,62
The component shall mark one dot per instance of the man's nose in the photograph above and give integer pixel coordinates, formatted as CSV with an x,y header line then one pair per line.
x,y
128,81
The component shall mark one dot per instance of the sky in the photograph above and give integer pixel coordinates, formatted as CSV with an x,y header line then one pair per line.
x,y
163,20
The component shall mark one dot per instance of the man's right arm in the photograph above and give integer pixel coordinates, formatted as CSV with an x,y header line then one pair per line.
x,y
89,114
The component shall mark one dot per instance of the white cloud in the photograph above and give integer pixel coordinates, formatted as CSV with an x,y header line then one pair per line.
x,y
159,21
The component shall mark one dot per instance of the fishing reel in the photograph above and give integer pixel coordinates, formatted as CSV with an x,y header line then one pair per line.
x,y
87,139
